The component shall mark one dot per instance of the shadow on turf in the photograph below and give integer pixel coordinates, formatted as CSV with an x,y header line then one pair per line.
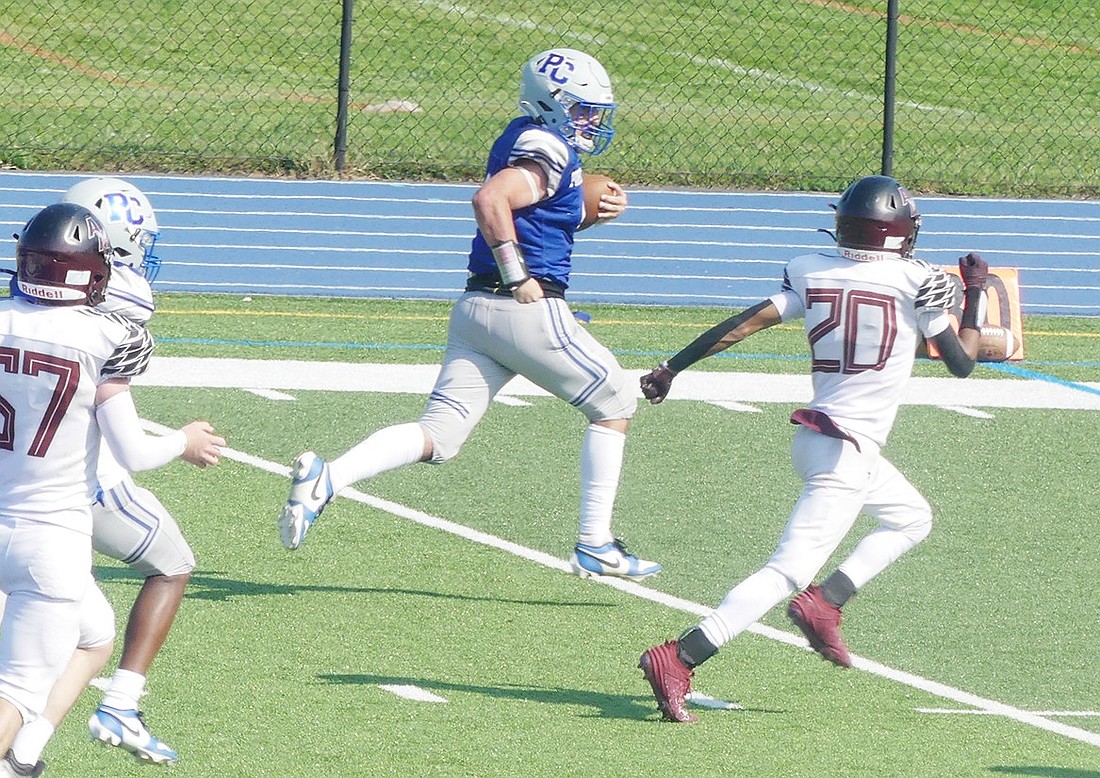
x,y
1045,772
210,587
611,706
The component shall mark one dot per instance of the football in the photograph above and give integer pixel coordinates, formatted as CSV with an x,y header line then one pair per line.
x,y
996,344
593,185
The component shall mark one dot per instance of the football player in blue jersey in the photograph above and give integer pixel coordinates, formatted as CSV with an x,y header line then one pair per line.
x,y
513,318
129,522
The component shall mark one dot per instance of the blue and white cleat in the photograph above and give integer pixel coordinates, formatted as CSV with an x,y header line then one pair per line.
x,y
126,729
310,491
611,559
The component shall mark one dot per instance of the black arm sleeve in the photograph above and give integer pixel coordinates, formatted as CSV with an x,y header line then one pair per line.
x,y
131,357
952,354
704,345
971,308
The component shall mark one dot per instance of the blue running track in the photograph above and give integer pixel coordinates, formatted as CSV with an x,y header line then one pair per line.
x,y
409,240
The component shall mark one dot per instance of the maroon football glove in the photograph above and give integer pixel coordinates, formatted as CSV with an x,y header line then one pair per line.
x,y
657,382
974,271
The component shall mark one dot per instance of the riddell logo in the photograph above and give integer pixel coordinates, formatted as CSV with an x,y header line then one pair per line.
x,y
40,292
865,256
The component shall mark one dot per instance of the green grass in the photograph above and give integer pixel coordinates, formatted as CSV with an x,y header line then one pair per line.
x,y
397,331
992,97
276,661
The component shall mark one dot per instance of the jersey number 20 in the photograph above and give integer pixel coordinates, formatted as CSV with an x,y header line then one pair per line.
x,y
857,333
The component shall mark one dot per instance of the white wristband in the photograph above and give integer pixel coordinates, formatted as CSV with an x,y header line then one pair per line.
x,y
510,263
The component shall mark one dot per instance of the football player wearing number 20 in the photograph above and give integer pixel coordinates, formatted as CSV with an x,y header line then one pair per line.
x,y
513,318
66,370
866,305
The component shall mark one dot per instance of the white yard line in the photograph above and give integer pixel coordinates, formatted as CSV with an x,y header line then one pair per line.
x,y
270,394
962,409
715,387
738,407
410,692
971,712
718,388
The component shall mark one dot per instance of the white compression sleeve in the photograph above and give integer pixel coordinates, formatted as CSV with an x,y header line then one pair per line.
x,y
132,447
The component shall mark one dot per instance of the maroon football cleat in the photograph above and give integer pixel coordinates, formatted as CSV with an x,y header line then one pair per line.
x,y
819,621
670,679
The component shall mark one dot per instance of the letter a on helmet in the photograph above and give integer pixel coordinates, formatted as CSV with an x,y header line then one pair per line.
x,y
63,257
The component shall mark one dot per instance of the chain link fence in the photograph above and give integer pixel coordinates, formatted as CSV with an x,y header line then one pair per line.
x,y
992,97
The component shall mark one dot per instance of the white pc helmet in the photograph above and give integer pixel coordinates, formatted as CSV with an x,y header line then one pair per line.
x,y
570,92
126,213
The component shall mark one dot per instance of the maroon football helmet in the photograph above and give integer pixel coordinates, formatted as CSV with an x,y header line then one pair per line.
x,y
63,257
876,216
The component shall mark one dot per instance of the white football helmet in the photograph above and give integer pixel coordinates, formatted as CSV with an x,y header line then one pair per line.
x,y
126,213
570,92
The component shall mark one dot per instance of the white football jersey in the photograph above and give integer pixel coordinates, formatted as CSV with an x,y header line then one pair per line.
x,y
52,358
129,295
863,322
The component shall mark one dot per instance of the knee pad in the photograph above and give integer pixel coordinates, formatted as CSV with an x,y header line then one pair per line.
x,y
918,529
797,577
448,433
97,619
132,526
612,403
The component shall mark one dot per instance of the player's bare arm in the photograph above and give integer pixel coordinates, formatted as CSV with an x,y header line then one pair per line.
x,y
656,383
511,189
959,352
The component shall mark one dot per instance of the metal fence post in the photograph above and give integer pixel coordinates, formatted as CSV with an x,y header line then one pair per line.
x,y
340,145
889,85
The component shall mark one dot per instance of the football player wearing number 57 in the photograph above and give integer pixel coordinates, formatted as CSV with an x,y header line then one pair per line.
x,y
513,319
66,369
866,305
129,523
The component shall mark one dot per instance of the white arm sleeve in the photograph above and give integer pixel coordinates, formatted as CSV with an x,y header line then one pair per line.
x,y
132,447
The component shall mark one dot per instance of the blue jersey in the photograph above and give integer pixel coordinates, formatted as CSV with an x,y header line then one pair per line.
x,y
545,229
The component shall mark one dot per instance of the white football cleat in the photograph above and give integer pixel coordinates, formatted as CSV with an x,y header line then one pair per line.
x,y
126,729
310,491
611,559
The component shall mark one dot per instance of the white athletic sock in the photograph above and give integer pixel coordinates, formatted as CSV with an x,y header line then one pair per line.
x,y
746,603
125,690
387,449
31,740
601,464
